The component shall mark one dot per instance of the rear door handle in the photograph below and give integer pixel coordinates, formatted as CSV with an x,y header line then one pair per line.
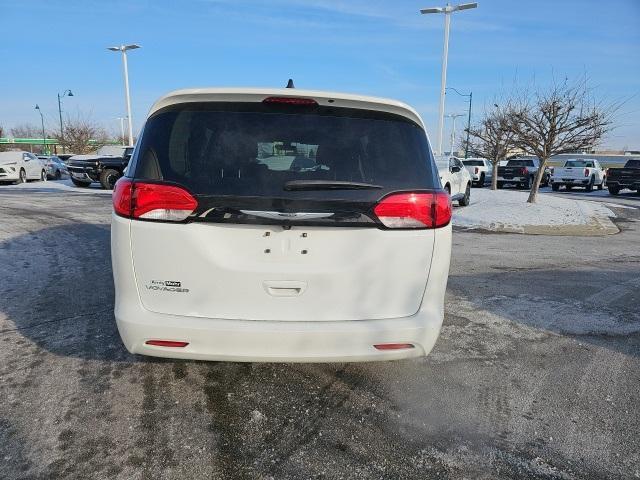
x,y
284,288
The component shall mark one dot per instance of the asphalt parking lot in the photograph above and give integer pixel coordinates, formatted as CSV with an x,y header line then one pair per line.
x,y
536,373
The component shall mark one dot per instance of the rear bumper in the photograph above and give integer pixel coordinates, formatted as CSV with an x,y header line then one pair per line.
x,y
632,185
571,181
512,179
269,341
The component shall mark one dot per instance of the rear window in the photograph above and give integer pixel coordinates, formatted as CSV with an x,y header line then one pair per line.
x,y
520,163
633,164
473,163
579,163
254,149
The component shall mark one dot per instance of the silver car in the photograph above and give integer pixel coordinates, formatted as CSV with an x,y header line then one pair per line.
x,y
55,167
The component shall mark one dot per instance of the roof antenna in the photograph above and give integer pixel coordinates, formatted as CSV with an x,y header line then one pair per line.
x,y
290,84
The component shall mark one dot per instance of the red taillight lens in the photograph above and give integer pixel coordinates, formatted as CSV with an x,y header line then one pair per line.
x,y
167,343
524,171
122,197
290,100
152,201
586,172
477,170
414,210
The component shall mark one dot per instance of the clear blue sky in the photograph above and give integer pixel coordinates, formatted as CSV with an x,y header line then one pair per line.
x,y
375,47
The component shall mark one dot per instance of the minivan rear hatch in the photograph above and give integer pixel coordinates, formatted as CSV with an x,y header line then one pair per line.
x,y
284,228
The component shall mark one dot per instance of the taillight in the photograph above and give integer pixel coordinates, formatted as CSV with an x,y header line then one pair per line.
x,y
524,171
414,210
122,197
477,170
290,100
152,201
586,172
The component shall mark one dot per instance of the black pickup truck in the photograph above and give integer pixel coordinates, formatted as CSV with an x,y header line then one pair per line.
x,y
105,167
625,177
521,171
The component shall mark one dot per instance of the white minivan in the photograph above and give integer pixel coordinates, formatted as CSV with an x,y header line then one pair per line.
x,y
280,225
18,167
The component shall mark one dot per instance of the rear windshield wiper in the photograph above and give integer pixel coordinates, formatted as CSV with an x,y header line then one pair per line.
x,y
327,185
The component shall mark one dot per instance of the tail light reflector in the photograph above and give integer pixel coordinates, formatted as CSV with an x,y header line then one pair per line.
x,y
393,346
167,343
586,172
414,210
152,201
290,100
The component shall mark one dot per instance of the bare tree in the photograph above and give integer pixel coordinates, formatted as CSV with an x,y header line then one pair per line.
x,y
2,147
492,138
561,119
26,130
82,136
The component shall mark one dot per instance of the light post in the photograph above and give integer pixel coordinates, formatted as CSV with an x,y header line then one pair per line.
x,y
453,117
470,95
68,94
44,140
121,128
447,10
123,49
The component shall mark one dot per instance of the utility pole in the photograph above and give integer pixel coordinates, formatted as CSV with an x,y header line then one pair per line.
x,y
125,68
68,94
447,10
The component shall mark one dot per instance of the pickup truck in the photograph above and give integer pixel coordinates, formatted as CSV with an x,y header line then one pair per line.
x,y
587,173
521,172
626,177
480,170
105,167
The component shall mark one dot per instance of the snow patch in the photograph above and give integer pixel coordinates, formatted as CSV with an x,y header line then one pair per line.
x,y
503,210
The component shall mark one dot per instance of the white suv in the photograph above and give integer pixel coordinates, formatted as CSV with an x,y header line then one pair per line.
x,y
280,225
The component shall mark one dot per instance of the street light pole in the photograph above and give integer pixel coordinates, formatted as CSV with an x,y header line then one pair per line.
x,y
453,116
447,10
68,94
470,95
44,140
125,68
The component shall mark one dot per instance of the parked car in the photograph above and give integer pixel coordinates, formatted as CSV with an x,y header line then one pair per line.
x,y
105,167
626,177
521,172
223,249
480,170
55,167
19,167
587,173
455,179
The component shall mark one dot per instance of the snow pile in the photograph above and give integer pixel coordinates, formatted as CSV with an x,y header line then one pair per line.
x,y
508,211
